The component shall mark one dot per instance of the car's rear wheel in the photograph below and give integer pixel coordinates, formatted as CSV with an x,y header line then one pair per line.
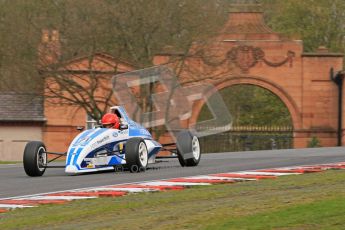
x,y
188,149
35,158
136,154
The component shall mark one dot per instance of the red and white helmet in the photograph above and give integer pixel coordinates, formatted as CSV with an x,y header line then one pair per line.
x,y
111,119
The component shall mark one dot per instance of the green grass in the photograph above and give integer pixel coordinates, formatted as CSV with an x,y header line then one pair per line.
x,y
310,201
9,162
325,214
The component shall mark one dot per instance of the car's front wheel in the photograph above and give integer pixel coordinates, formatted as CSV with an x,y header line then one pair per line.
x,y
188,149
35,158
136,154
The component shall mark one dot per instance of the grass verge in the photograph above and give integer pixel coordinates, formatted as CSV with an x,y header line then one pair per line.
x,y
9,162
309,201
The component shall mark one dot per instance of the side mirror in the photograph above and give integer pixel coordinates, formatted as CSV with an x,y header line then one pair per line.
x,y
80,128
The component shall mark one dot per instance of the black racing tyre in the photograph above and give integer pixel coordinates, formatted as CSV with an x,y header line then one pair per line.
x,y
188,149
136,154
35,158
181,160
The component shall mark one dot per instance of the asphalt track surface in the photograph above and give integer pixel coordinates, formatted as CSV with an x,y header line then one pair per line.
x,y
14,182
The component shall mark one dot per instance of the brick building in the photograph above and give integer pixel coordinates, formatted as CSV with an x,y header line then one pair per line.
x,y
247,51
62,119
21,120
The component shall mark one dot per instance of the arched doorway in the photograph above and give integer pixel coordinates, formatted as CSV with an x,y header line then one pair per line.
x,y
264,116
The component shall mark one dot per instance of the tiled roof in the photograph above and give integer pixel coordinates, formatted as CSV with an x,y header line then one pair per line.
x,y
20,107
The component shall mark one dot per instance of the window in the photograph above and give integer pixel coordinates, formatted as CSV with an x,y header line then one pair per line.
x,y
90,122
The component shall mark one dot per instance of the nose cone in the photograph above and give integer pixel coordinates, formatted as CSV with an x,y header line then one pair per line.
x,y
71,169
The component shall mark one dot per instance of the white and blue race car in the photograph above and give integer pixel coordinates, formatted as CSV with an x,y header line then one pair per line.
x,y
98,149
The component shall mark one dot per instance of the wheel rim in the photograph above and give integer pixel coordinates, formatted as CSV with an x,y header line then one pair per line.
x,y
196,148
41,158
143,154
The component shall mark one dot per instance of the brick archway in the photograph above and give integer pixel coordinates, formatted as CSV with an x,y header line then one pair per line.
x,y
247,51
260,82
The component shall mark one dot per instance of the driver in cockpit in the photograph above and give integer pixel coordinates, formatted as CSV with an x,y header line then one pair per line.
x,y
110,121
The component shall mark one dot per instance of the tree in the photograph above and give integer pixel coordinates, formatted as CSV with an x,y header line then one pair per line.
x,y
136,31
130,30
252,105
316,22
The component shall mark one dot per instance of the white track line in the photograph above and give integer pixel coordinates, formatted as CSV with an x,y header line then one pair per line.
x,y
120,189
153,182
290,168
58,198
168,183
15,206
264,173
206,177
80,189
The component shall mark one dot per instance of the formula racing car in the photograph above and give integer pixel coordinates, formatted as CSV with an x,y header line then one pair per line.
x,y
129,146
